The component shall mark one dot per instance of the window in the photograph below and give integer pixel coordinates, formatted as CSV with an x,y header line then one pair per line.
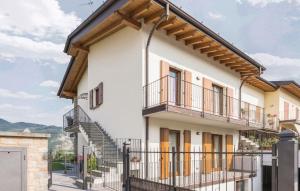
x,y
218,99
98,93
174,86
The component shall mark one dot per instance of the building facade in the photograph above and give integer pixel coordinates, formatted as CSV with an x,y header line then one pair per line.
x,y
146,70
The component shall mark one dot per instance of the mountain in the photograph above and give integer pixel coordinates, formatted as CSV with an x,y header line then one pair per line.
x,y
57,134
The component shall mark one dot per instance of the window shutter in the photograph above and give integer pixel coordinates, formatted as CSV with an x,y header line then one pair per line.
x,y
258,114
164,147
100,93
207,147
207,95
164,72
229,101
187,156
91,99
286,110
229,148
187,89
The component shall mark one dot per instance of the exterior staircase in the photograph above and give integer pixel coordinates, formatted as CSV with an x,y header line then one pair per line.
x,y
106,149
247,144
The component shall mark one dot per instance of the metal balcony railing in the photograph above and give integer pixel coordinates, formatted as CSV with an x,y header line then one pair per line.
x,y
174,92
75,116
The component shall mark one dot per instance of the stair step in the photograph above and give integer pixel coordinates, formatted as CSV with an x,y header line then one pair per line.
x,y
96,173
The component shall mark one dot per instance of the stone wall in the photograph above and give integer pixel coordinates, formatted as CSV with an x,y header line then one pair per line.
x,y
37,156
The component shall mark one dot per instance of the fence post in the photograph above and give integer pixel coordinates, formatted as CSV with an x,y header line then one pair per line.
x,y
173,167
274,168
125,167
85,166
287,161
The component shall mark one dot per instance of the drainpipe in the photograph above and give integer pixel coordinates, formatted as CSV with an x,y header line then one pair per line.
x,y
240,92
163,17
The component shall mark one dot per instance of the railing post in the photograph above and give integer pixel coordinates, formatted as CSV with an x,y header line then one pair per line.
x,y
167,91
85,166
173,167
203,97
288,161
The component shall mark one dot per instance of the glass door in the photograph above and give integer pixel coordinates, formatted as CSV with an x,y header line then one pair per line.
x,y
218,100
217,149
174,86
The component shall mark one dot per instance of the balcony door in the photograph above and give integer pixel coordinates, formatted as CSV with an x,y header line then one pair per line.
x,y
174,86
217,99
174,141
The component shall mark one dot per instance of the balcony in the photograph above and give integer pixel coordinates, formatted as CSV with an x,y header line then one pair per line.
x,y
73,117
171,98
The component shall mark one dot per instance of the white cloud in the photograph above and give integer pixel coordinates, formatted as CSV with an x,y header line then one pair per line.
x,y
279,68
216,16
271,60
5,93
32,29
263,3
22,47
14,107
49,83
39,18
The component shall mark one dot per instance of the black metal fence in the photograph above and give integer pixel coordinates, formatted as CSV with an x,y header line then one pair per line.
x,y
188,170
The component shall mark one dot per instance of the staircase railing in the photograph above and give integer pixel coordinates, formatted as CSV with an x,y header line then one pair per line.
x,y
75,116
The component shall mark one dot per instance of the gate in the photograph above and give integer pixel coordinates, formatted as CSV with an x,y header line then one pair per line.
x,y
50,159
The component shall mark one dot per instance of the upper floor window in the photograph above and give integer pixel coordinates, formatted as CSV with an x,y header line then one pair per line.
x,y
96,96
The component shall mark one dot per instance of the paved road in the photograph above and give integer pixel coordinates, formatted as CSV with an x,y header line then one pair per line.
x,y
62,182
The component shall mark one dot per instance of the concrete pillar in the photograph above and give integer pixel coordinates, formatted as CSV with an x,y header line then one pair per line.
x,y
288,161
76,111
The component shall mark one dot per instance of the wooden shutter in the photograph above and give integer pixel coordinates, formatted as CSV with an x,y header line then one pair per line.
x,y
100,93
258,114
229,148
207,95
286,110
207,147
187,89
229,102
91,99
164,147
164,72
187,156
297,113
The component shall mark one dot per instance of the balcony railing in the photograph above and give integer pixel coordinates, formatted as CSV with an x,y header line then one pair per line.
x,y
75,116
179,93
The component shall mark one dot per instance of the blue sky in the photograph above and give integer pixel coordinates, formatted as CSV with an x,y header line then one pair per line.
x,y
33,33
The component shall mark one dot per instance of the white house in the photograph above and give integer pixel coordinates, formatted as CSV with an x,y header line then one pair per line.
x,y
146,70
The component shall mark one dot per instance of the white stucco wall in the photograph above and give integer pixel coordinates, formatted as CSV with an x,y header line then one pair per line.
x,y
83,88
116,61
178,55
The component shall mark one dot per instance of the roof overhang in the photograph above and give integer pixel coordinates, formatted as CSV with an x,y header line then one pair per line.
x,y
290,86
114,15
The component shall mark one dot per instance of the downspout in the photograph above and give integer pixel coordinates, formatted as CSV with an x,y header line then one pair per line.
x,y
163,17
240,92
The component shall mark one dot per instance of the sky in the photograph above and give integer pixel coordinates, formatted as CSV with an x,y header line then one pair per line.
x,y
33,33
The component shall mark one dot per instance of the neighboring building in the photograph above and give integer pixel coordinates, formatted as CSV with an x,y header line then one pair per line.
x,y
196,91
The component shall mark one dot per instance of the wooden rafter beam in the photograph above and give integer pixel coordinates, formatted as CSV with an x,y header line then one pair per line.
x,y
186,35
245,70
210,49
141,9
238,63
216,53
177,29
154,16
169,22
195,40
202,44
130,21
225,56
230,60
239,66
